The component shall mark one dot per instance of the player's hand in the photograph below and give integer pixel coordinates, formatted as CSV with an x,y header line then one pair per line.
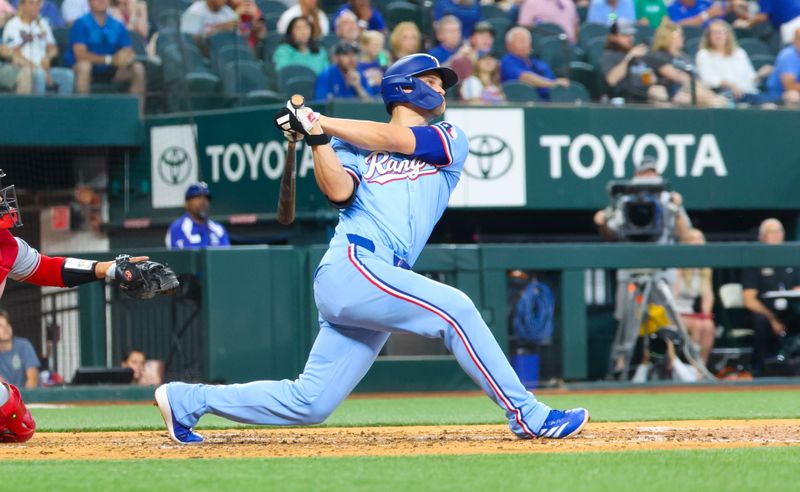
x,y
102,266
293,136
677,198
777,327
600,218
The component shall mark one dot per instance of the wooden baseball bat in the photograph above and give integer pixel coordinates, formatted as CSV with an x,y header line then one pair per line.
x,y
288,193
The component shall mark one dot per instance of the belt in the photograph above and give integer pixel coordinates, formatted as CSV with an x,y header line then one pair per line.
x,y
370,246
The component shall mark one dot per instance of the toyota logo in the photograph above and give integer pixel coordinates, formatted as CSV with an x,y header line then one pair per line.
x,y
492,157
174,165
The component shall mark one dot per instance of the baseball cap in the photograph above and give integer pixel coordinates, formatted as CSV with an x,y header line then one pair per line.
x,y
648,162
198,189
345,48
623,27
484,26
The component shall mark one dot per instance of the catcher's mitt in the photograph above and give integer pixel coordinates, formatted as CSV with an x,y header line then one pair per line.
x,y
145,279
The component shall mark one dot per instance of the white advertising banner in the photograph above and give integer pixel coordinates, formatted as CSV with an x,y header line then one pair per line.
x,y
174,163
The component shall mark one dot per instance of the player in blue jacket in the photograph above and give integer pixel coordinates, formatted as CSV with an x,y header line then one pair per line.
x,y
194,229
392,183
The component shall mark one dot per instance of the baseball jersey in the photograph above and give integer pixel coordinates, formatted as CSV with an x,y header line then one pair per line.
x,y
400,197
15,363
185,233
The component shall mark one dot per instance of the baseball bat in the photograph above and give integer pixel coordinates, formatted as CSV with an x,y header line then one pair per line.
x,y
288,192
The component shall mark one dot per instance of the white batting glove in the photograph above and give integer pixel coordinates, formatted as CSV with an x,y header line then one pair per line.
x,y
305,116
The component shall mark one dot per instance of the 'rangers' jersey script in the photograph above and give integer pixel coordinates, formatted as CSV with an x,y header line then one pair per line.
x,y
401,197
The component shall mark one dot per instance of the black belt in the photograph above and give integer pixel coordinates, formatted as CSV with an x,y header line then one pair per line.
x,y
370,246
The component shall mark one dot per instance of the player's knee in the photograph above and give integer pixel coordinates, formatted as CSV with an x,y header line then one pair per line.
x,y
319,413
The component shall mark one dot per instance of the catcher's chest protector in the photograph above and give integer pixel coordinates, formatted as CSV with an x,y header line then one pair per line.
x,y
16,422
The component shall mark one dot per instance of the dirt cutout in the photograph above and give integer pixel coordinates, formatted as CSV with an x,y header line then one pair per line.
x,y
404,441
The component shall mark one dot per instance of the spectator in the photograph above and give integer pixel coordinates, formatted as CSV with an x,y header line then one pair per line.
x,y
784,15
406,39
696,12
133,14
607,11
369,19
72,10
19,364
14,78
448,34
693,287
31,39
251,22
673,67
725,67
623,67
517,64
373,60
650,12
769,327
309,10
145,372
784,82
661,361
205,18
480,43
561,12
100,49
50,11
342,80
194,229
468,12
299,48
7,12
483,86
346,27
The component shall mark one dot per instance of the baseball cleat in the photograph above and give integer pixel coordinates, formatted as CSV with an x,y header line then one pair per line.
x,y
177,431
561,424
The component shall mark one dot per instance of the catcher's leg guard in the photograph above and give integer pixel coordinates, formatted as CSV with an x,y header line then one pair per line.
x,y
16,422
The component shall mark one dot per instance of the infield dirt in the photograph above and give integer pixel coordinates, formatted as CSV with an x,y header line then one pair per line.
x,y
405,441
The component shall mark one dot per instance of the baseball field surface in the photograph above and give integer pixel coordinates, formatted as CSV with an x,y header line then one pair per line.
x,y
724,439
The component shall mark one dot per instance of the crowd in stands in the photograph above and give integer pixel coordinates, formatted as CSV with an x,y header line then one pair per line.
x,y
666,52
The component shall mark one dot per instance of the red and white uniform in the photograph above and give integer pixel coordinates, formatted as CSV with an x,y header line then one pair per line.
x,y
19,261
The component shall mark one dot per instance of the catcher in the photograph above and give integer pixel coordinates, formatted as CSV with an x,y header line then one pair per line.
x,y
137,277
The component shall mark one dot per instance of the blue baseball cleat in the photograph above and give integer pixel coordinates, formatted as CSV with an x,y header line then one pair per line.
x,y
177,432
560,424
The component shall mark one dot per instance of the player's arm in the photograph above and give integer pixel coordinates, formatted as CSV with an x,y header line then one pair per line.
x,y
334,182
32,377
371,135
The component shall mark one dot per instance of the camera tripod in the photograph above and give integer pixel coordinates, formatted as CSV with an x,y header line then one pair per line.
x,y
643,288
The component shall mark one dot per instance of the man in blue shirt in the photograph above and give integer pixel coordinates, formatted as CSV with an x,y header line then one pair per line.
x,y
696,12
784,82
519,65
50,11
342,80
784,15
468,12
100,49
194,229
607,11
369,19
18,362
448,33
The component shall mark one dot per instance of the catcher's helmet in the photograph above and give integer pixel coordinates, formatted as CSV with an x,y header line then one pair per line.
x,y
401,77
9,210
198,189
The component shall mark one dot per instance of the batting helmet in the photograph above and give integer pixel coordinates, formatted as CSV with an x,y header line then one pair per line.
x,y
400,77
198,189
16,422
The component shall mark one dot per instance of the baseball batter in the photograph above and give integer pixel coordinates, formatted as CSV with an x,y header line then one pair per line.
x,y
392,183
19,261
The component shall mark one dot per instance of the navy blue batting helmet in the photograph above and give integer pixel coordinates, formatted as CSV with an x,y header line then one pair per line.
x,y
198,189
400,77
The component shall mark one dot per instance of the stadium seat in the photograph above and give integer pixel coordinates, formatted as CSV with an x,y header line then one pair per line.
x,y
203,89
545,30
590,31
755,47
692,32
300,85
491,11
520,92
329,41
167,18
218,41
691,47
137,43
594,49
761,60
583,12
500,25
242,79
61,35
453,94
734,315
574,93
585,74
179,60
271,43
232,53
555,52
271,11
291,72
644,34
401,11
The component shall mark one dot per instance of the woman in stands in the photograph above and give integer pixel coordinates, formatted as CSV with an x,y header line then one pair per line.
x,y
406,39
672,66
483,86
725,67
693,290
299,48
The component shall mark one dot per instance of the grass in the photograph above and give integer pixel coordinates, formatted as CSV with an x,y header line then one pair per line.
x,y
463,410
762,469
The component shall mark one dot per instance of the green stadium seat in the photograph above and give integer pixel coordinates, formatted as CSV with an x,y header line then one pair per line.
x,y
594,49
520,92
585,74
271,11
644,35
583,12
232,53
545,30
242,79
328,41
761,60
691,47
500,25
692,32
491,11
574,93
61,35
271,43
590,31
291,72
401,11
755,47
203,90
218,41
258,98
555,52
300,85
